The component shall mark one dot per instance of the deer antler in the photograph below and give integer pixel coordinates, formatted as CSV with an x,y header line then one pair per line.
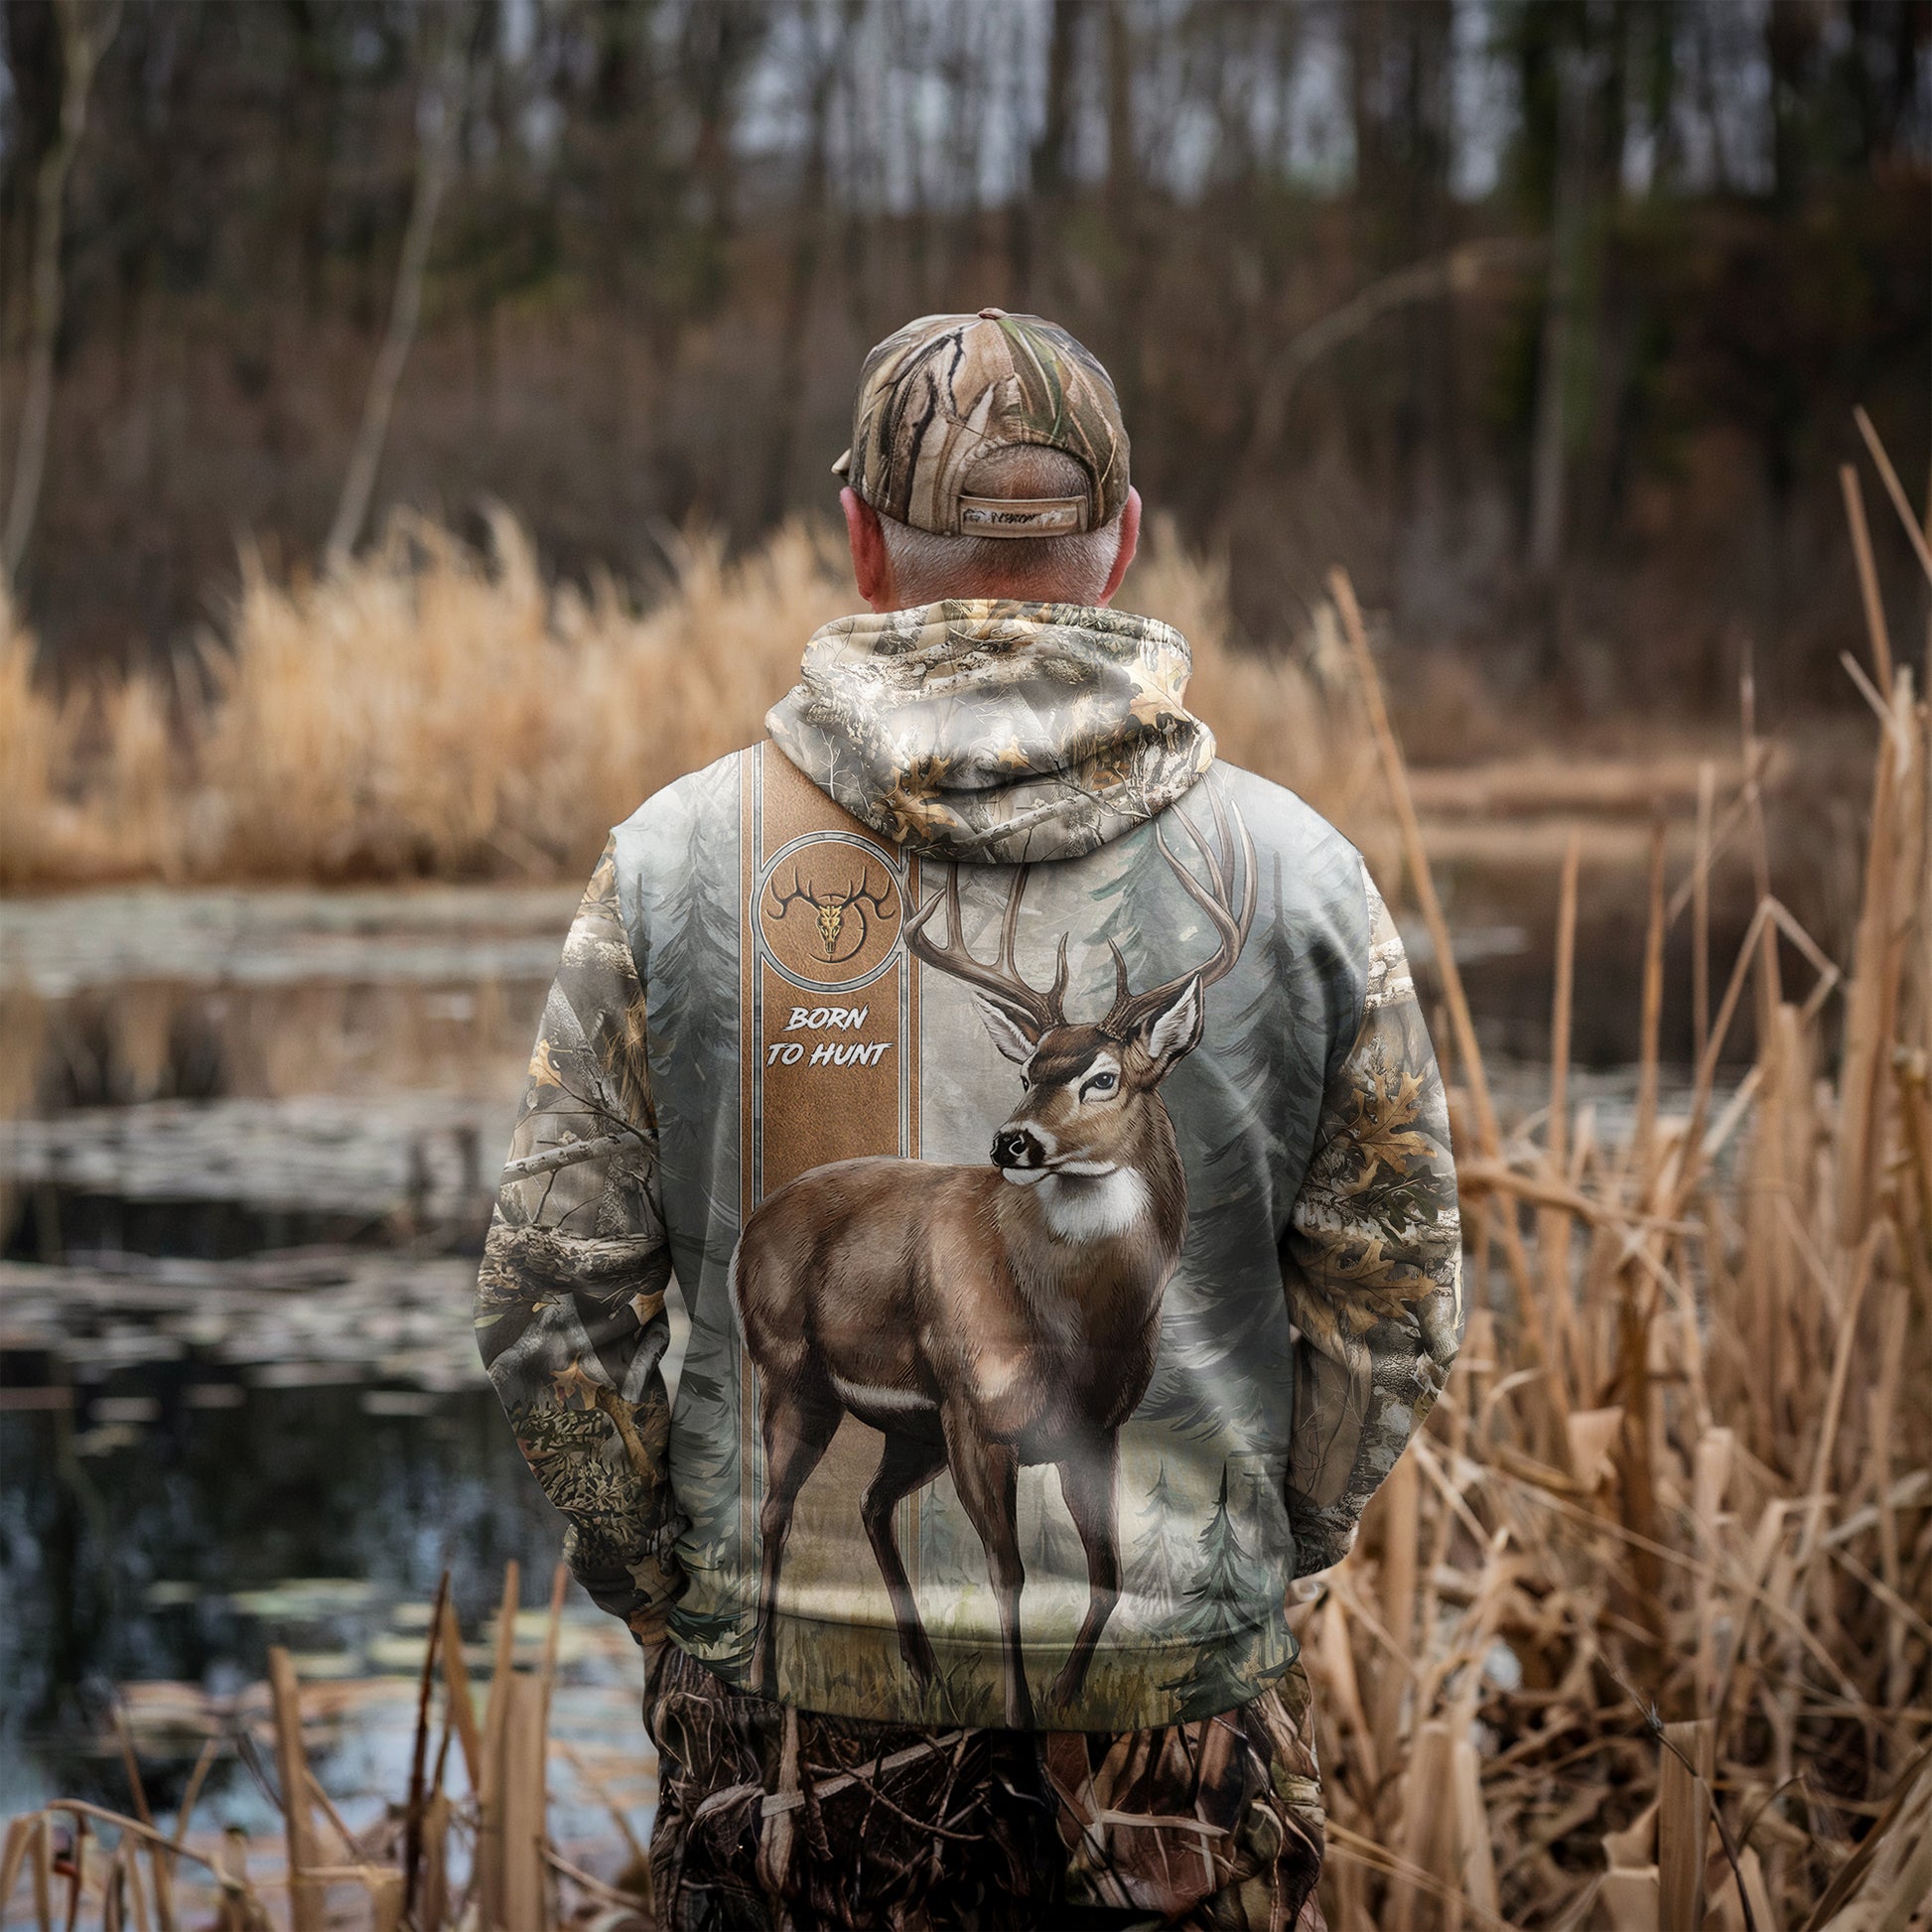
x,y
785,901
1033,1010
1230,872
878,897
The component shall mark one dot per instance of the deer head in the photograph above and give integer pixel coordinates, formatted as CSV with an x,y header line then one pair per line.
x,y
1088,1085
839,937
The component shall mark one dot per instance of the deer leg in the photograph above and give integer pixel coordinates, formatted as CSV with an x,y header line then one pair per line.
x,y
987,1475
906,1463
798,1428
1088,1484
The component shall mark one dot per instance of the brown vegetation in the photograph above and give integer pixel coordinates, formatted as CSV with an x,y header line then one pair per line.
x,y
429,711
432,1862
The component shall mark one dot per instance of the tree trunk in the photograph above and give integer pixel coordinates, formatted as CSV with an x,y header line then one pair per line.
x,y
809,220
438,118
85,36
1549,453
1129,268
1034,222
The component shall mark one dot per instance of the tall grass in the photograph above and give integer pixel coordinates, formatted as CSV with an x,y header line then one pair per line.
x,y
1637,1636
433,710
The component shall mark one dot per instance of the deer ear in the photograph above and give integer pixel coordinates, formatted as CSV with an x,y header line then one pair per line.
x,y
1173,1029
1009,1035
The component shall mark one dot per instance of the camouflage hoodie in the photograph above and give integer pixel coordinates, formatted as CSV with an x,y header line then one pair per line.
x,y
1036,1119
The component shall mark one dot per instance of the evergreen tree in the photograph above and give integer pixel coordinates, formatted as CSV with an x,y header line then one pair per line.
x,y
693,964
1219,1617
1270,1049
1125,905
705,1444
1255,1501
691,984
949,1547
1157,1563
1259,1049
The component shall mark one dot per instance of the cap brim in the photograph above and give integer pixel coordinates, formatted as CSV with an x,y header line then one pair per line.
x,y
843,468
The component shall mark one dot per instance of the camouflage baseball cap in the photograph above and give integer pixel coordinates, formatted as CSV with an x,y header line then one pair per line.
x,y
946,391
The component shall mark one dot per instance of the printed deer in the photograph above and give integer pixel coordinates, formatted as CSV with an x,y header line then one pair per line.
x,y
986,1318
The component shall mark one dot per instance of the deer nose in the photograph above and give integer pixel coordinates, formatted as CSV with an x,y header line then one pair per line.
x,y
1017,1146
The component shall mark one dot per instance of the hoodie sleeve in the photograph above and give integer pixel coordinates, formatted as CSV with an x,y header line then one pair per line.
x,y
570,1303
1372,1260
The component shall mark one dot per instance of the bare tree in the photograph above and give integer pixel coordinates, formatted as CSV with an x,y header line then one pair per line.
x,y
438,118
1550,436
1442,277
830,56
86,27
1033,221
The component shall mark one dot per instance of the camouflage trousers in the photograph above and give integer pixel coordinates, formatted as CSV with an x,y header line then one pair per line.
x,y
776,1820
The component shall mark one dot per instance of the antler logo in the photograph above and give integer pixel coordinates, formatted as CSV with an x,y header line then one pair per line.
x,y
829,910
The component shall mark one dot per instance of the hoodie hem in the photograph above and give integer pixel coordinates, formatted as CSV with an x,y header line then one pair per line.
x,y
978,1701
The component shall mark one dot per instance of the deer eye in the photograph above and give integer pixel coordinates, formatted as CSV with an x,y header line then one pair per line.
x,y
1100,1083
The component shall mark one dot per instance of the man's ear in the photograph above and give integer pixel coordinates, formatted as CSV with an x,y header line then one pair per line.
x,y
870,564
1130,541
1175,1030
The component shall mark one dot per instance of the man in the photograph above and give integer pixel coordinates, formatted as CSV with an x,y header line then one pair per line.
x,y
1037,1117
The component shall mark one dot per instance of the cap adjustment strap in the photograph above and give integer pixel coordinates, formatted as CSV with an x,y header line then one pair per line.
x,y
1023,517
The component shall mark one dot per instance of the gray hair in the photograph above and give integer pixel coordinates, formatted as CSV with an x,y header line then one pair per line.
x,y
1041,570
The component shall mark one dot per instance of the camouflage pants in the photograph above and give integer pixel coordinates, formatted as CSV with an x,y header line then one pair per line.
x,y
776,1820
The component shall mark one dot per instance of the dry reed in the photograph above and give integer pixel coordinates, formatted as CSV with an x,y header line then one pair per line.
x,y
430,710
1637,1635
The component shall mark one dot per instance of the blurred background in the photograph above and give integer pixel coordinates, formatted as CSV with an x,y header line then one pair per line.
x,y
1543,316
415,430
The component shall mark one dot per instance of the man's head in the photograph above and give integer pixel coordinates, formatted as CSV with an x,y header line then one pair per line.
x,y
988,459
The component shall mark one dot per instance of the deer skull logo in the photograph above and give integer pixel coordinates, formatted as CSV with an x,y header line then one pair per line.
x,y
844,913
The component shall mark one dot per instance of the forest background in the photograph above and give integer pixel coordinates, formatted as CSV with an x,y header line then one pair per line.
x,y
1545,320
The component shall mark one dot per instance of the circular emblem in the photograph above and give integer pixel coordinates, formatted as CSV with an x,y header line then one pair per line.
x,y
829,911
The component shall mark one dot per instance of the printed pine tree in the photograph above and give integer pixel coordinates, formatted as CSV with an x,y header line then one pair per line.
x,y
1056,1549
1157,1563
691,979
1272,1027
693,958
1262,1046
1257,1045
1256,1499
1219,1619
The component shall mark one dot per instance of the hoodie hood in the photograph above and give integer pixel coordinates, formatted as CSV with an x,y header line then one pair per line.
x,y
993,731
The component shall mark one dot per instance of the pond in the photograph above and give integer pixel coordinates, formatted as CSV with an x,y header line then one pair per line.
x,y
250,1152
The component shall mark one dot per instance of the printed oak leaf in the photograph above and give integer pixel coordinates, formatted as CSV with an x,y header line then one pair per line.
x,y
1379,1129
1378,1286
543,1068
913,811
572,1380
1350,1292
